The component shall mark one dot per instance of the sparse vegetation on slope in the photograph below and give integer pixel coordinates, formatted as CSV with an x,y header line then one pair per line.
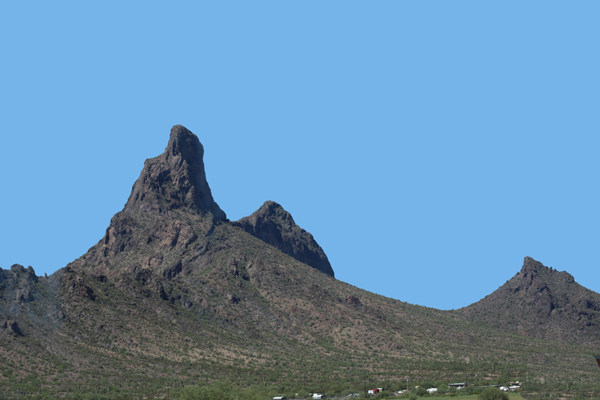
x,y
174,295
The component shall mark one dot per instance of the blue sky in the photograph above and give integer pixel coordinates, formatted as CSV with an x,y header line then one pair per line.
x,y
427,146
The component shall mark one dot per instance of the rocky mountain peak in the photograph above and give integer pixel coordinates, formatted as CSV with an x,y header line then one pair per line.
x,y
176,179
542,302
272,224
274,210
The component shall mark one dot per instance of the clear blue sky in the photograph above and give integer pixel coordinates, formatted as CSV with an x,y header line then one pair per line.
x,y
427,145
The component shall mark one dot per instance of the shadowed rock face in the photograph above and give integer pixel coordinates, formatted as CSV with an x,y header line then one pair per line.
x,y
175,179
275,226
12,327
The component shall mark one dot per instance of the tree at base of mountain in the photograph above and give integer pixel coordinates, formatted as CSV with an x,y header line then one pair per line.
x,y
492,393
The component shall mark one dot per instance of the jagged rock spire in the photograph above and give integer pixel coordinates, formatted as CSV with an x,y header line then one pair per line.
x,y
532,269
175,179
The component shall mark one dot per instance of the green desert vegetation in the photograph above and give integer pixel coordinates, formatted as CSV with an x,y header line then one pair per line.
x,y
124,341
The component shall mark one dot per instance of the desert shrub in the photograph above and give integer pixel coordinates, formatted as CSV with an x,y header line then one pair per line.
x,y
492,394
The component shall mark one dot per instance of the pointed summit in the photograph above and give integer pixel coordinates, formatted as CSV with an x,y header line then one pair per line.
x,y
176,179
167,218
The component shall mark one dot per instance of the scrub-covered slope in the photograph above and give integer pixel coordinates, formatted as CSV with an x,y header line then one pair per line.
x,y
175,289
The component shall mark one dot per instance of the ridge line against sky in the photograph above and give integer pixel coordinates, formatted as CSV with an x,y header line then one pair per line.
x,y
427,147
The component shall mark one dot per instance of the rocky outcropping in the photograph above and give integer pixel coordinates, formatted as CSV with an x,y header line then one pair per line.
x,y
76,285
18,285
12,327
275,226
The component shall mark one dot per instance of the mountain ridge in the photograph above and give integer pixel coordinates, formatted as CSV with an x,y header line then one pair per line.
x,y
173,283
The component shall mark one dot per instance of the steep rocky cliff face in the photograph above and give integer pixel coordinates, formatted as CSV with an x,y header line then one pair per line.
x,y
541,302
275,226
167,221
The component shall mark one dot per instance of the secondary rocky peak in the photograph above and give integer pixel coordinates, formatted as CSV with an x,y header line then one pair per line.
x,y
176,179
275,210
542,302
272,224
